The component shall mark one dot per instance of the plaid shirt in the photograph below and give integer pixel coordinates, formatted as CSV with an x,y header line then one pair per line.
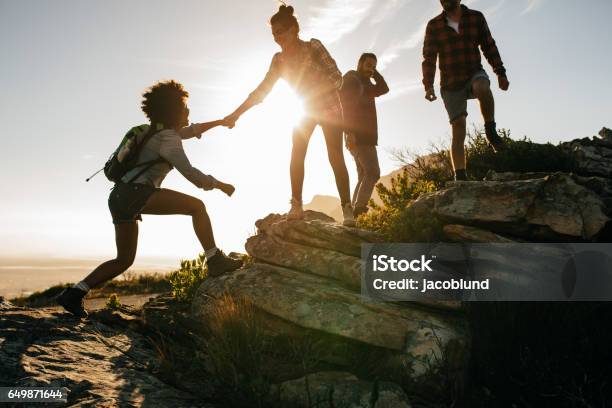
x,y
312,73
459,53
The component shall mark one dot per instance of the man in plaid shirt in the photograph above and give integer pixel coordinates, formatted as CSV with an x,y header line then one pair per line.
x,y
454,37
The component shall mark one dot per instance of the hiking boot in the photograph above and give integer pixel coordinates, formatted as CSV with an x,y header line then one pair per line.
x,y
359,211
296,212
460,175
71,299
497,143
220,263
347,212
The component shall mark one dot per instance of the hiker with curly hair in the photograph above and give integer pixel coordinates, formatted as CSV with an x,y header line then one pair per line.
x,y
139,191
314,75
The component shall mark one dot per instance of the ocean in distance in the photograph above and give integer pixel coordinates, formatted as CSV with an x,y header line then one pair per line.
x,y
23,276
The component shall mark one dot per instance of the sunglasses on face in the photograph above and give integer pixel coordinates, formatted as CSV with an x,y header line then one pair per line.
x,y
280,30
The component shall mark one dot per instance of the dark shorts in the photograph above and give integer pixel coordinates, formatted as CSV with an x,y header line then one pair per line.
x,y
126,201
455,101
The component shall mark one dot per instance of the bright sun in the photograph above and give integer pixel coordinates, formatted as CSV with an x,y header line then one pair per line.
x,y
283,107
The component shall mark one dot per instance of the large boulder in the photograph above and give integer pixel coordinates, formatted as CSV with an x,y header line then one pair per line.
x,y
304,282
606,135
319,231
553,207
601,186
317,246
592,156
311,302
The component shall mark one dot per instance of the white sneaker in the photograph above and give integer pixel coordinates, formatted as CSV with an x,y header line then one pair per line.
x,y
347,212
296,212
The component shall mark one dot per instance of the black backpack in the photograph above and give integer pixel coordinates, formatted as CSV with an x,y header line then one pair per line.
x,y
125,157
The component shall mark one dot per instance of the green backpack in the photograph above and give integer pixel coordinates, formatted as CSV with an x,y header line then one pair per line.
x,y
125,157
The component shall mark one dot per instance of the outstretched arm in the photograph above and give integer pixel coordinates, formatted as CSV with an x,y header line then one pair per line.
x,y
258,95
171,149
196,129
206,126
230,120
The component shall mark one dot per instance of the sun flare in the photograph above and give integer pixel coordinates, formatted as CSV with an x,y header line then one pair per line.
x,y
284,107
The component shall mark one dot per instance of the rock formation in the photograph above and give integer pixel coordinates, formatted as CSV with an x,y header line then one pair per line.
x,y
305,280
100,365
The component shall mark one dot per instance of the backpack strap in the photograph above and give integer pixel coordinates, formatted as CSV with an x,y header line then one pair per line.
x,y
153,130
146,166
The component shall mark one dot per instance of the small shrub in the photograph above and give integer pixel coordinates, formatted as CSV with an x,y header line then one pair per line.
x,y
185,281
428,173
135,283
237,348
393,219
520,155
113,302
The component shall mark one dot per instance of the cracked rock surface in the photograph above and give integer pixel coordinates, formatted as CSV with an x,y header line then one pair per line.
x,y
101,366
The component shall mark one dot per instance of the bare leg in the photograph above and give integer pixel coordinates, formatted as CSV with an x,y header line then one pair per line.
x,y
457,147
301,136
481,89
335,153
126,239
167,202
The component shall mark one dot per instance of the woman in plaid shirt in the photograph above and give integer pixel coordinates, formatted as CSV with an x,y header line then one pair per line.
x,y
313,74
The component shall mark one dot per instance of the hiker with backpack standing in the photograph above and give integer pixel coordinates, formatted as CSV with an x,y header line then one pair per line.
x,y
453,37
359,89
314,75
137,191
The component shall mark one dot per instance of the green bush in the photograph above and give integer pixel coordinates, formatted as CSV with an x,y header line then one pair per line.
x,y
428,173
393,219
113,302
522,156
185,281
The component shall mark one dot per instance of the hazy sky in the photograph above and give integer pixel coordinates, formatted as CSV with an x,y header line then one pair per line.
x,y
73,71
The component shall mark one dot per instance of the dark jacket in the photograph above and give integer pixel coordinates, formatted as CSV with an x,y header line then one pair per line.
x,y
359,107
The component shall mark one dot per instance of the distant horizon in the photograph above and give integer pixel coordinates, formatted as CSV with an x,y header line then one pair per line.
x,y
42,260
36,274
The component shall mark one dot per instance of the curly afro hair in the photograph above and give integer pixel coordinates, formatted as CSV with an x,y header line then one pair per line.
x,y
164,103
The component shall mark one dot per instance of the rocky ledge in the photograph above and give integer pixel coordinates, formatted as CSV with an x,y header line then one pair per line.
x,y
305,280
100,365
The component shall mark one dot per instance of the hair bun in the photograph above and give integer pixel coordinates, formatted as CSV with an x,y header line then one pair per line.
x,y
285,10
